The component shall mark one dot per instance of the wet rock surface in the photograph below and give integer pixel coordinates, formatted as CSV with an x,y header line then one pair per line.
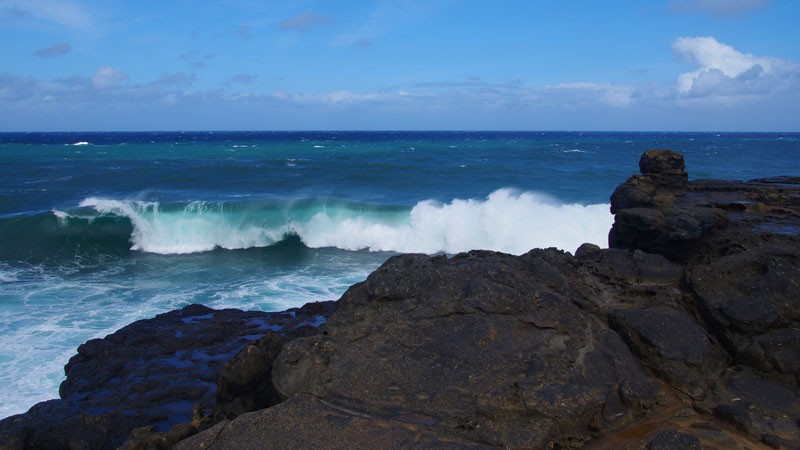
x,y
684,334
154,375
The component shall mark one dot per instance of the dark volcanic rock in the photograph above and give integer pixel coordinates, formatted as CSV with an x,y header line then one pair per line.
x,y
482,348
684,334
761,408
663,178
672,344
752,300
318,423
245,382
152,374
652,214
662,162
673,440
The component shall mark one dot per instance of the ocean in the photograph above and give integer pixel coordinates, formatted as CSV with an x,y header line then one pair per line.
x,y
98,230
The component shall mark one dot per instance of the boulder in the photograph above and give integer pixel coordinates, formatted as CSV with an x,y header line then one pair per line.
x,y
684,334
481,349
752,302
673,345
159,377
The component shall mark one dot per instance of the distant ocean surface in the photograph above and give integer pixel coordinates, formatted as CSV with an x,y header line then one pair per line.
x,y
98,230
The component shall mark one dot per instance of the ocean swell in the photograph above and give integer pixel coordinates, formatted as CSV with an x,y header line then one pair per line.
x,y
507,221
196,227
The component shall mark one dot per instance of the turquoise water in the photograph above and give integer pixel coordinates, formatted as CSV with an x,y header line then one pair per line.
x,y
100,229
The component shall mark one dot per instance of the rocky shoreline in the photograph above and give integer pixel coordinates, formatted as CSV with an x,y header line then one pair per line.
x,y
684,334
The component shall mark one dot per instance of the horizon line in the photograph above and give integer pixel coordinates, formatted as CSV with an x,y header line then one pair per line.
x,y
409,130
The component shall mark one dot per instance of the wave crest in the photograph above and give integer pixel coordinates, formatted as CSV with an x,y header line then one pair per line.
x,y
197,227
506,221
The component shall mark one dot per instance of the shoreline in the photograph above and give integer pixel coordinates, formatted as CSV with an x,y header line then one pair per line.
x,y
485,349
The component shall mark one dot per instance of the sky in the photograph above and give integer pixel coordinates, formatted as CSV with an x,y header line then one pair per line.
x,y
616,65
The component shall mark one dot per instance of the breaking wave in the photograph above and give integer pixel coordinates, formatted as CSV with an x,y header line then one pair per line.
x,y
507,221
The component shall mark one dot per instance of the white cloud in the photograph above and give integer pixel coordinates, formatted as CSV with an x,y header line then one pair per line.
x,y
613,95
107,77
724,71
719,8
477,94
723,89
337,98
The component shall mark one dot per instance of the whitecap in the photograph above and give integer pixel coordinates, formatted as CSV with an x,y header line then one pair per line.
x,y
507,221
61,216
198,227
8,275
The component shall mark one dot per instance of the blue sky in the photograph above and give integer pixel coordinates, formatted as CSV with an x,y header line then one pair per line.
x,y
714,65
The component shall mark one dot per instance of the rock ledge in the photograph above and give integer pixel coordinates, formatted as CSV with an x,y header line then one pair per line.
x,y
685,333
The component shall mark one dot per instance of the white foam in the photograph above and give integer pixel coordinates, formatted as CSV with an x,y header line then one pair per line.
x,y
39,335
7,276
197,228
507,221
78,144
61,216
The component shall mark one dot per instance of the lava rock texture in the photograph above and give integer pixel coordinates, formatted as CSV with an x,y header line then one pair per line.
x,y
685,333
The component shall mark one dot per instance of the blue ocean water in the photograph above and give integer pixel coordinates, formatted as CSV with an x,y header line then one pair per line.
x,y
100,229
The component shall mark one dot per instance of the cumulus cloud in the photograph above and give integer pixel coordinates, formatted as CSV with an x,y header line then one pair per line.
x,y
719,75
57,49
719,8
724,71
305,21
107,77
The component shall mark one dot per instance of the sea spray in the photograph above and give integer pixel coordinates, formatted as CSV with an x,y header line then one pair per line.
x,y
68,272
197,227
507,221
